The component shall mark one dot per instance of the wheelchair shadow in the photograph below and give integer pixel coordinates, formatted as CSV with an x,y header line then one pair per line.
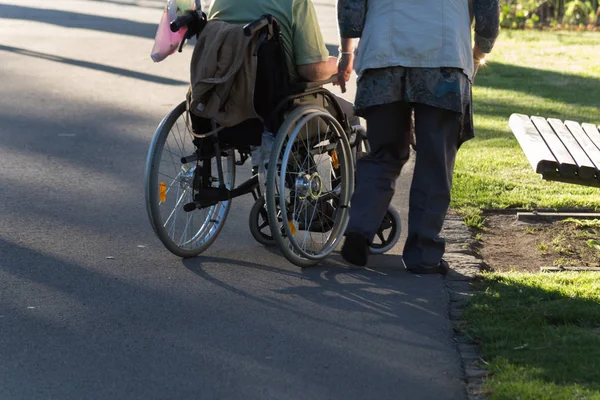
x,y
382,314
388,292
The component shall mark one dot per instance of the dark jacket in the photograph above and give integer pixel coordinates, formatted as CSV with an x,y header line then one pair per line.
x,y
223,73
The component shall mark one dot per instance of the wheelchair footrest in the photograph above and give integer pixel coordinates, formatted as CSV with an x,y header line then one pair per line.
x,y
211,195
207,197
246,187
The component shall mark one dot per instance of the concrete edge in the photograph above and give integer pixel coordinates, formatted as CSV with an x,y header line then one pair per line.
x,y
464,267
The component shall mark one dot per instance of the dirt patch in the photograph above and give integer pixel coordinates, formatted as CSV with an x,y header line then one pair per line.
x,y
508,244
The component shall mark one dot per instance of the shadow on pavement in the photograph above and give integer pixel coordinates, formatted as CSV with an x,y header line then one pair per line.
x,y
89,331
389,296
69,19
95,66
146,4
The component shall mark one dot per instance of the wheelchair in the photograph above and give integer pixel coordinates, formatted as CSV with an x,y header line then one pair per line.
x,y
303,205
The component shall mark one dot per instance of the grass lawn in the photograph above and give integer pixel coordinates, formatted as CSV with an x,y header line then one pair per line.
x,y
540,334
551,74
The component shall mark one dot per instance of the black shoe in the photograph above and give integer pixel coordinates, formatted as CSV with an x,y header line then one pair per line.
x,y
355,249
442,268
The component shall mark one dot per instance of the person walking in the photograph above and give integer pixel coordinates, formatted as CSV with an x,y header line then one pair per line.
x,y
412,56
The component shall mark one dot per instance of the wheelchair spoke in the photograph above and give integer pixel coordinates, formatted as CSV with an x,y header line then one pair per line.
x,y
173,182
178,142
324,217
189,217
307,225
172,230
168,147
182,136
166,150
177,204
170,177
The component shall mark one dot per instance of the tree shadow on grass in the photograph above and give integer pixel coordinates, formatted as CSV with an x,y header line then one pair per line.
x,y
492,108
557,86
565,97
534,337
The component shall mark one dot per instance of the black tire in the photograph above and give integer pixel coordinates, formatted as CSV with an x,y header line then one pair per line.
x,y
388,232
258,221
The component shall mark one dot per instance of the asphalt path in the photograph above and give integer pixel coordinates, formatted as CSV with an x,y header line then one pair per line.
x,y
91,304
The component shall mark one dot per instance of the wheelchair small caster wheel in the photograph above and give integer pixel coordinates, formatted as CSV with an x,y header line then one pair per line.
x,y
388,232
259,223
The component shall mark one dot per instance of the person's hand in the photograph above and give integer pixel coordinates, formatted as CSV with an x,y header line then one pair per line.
x,y
478,57
475,67
344,69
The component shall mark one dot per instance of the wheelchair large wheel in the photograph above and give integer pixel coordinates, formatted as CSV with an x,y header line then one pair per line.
x,y
171,184
310,179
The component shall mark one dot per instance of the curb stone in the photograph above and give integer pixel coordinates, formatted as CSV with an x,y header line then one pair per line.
x,y
464,266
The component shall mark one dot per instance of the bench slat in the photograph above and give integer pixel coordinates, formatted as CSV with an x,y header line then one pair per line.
x,y
591,150
539,156
593,133
586,169
567,165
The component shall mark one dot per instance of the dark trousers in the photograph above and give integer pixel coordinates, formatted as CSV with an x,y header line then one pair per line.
x,y
437,134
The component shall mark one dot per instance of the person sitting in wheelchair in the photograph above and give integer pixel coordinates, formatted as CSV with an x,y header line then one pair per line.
x,y
305,58
306,54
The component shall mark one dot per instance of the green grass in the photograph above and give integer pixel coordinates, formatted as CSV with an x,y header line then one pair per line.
x,y
551,74
540,334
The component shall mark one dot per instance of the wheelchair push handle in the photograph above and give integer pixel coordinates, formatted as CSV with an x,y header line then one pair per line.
x,y
195,21
184,20
255,26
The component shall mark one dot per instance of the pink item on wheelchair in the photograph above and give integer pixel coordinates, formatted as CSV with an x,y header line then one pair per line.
x,y
167,42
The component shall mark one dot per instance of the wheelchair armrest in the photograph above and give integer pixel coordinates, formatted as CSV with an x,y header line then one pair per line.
x,y
304,86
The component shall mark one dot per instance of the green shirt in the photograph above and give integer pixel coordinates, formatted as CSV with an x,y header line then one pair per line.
x,y
302,39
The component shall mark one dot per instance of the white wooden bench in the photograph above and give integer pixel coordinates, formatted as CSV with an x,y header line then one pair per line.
x,y
560,151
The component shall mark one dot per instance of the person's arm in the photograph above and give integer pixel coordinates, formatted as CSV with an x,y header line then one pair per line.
x,y
351,19
318,71
312,57
487,28
345,62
